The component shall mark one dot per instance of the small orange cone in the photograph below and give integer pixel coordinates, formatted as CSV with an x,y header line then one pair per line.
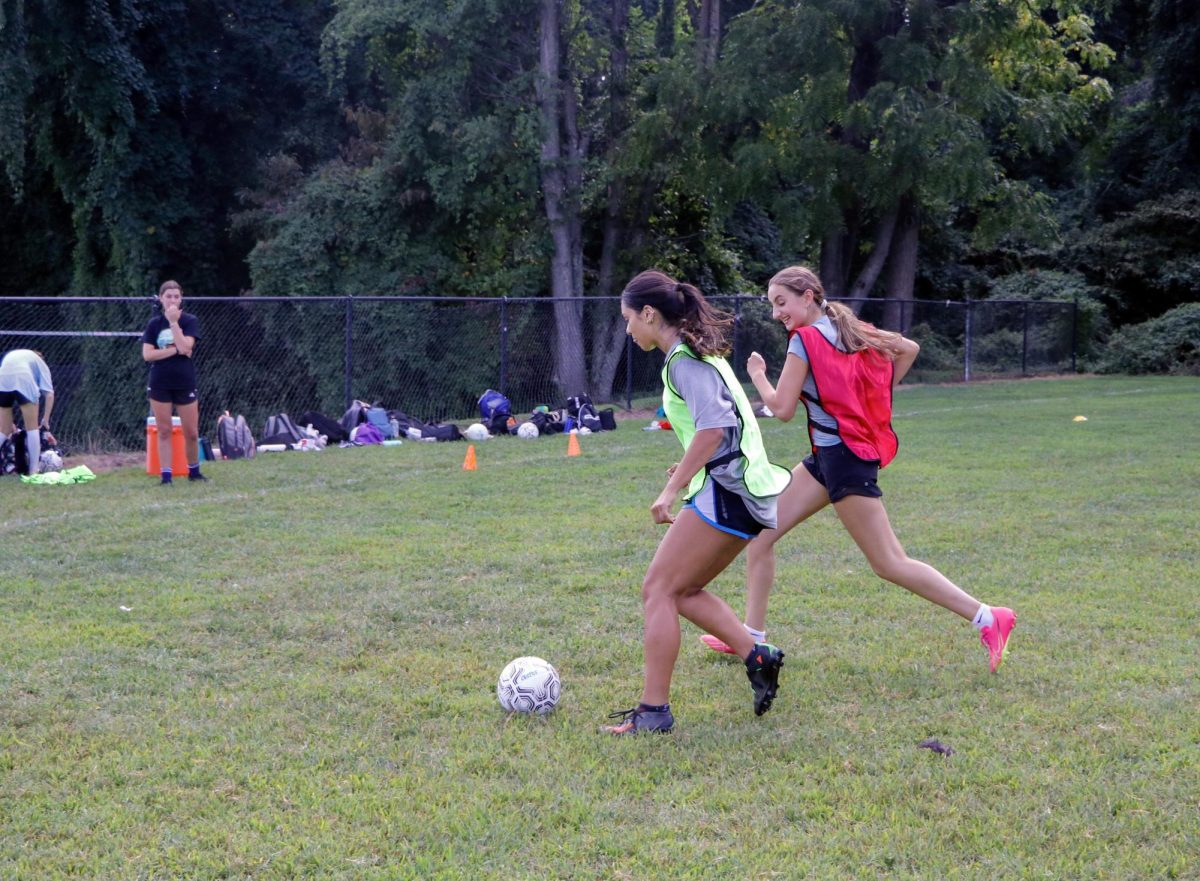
x,y
573,445
469,461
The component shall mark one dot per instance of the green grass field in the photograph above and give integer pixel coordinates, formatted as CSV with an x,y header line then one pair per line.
x,y
290,672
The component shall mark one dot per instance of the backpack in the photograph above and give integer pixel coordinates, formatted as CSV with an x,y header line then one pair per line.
x,y
438,431
549,421
577,402
356,414
8,456
495,410
379,417
588,418
322,424
280,429
234,437
366,433
20,453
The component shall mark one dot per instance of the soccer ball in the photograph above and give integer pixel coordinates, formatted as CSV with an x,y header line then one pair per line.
x,y
476,432
527,430
528,685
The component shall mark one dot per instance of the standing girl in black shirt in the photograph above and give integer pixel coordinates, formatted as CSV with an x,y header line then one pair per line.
x,y
167,346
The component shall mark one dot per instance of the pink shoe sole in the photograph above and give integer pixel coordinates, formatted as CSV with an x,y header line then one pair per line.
x,y
995,638
716,645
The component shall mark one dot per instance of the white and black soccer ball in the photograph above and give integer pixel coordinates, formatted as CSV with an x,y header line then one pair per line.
x,y
528,685
528,431
476,432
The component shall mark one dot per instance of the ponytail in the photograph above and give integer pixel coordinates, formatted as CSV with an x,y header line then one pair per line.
x,y
703,327
853,333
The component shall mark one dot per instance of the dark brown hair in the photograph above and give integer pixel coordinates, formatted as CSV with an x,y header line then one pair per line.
x,y
167,285
703,327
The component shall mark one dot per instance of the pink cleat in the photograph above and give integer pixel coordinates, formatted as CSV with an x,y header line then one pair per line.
x,y
996,636
716,645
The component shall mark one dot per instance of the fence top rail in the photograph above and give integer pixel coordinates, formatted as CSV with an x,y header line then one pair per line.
x,y
377,298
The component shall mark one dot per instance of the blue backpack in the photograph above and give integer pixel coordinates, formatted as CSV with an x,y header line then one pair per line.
x,y
378,417
495,410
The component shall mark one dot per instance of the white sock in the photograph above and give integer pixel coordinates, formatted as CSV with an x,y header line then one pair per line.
x,y
759,635
33,449
983,618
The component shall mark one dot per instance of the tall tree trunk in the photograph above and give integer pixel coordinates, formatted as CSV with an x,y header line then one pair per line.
x,y
879,254
837,252
664,30
835,259
708,34
902,268
562,206
608,337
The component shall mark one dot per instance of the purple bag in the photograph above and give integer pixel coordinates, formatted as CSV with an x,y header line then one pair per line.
x,y
366,433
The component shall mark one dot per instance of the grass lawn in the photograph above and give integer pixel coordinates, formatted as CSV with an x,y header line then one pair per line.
x,y
289,672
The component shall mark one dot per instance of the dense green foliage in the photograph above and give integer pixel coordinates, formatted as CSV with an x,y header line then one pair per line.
x,y
927,148
1169,343
289,672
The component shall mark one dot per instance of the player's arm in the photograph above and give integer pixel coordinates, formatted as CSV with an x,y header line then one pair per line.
x,y
47,408
183,343
151,352
906,353
784,398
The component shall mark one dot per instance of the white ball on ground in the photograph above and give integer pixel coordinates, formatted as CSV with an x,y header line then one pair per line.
x,y
527,430
528,685
476,432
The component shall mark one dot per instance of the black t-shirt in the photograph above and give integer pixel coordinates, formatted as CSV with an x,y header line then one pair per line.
x,y
178,371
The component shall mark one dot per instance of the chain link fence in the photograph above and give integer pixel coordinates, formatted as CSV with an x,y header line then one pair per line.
x,y
432,357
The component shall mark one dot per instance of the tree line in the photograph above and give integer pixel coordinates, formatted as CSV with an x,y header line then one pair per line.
x,y
943,149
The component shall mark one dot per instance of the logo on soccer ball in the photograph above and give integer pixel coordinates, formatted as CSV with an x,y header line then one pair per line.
x,y
528,685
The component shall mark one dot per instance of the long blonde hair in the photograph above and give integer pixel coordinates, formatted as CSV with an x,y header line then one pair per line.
x,y
854,333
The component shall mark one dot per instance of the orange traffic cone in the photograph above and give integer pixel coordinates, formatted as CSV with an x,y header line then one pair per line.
x,y
573,445
469,461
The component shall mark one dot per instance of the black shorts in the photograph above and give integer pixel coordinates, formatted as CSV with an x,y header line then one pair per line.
x,y
172,395
724,510
13,399
842,473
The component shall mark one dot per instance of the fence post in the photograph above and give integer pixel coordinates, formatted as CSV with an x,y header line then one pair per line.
x,y
967,344
348,366
503,345
1024,337
1074,330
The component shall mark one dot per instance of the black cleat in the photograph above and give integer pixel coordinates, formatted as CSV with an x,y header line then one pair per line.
x,y
762,669
638,720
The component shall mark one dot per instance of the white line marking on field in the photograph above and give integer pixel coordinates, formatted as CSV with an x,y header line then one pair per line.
x,y
991,405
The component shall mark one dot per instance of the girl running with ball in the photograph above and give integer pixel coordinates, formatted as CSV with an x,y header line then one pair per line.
x,y
729,488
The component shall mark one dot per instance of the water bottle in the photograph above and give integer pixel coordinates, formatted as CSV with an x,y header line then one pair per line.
x,y
395,428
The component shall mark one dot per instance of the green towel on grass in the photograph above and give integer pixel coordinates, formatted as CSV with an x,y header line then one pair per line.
x,y
78,474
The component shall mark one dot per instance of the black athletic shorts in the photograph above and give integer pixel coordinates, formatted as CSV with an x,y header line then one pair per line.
x,y
13,399
842,473
725,510
172,395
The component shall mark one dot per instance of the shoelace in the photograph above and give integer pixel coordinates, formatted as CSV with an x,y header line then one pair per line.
x,y
623,715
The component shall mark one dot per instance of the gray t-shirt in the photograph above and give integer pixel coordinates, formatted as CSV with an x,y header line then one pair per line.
x,y
816,413
711,405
